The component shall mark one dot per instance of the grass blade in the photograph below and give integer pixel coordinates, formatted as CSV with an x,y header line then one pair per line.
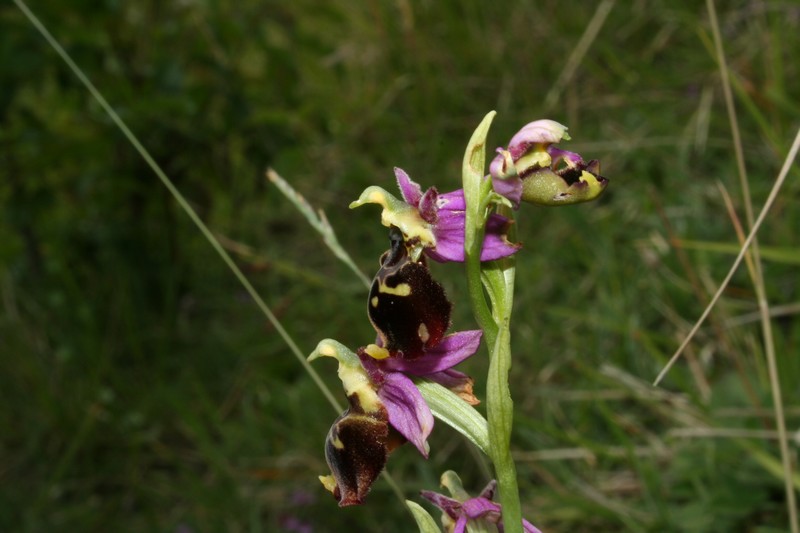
x,y
318,221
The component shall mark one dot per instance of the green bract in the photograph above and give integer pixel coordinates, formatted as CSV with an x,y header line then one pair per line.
x,y
448,407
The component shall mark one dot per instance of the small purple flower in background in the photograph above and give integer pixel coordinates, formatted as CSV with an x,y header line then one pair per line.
x,y
434,223
292,518
302,498
461,510
533,170
292,524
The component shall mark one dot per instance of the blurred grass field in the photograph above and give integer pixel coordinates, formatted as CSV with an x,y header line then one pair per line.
x,y
141,389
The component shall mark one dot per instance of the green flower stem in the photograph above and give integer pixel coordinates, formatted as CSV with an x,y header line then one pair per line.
x,y
495,279
499,405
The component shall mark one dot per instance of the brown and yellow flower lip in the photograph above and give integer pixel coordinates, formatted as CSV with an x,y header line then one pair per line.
x,y
408,308
356,451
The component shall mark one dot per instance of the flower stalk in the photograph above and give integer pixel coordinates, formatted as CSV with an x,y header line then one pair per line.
x,y
497,279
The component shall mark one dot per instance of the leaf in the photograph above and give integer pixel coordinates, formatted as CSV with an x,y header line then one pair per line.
x,y
448,407
425,521
475,193
472,179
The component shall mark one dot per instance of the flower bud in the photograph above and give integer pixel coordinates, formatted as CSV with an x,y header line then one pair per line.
x,y
533,170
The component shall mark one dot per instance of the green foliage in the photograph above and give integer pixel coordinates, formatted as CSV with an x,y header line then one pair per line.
x,y
142,390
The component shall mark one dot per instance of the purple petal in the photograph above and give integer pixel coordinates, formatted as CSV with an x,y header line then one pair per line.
x,y
499,165
408,412
449,378
410,190
461,524
489,490
448,505
495,241
428,206
570,158
449,233
511,188
458,382
480,507
447,214
373,368
537,132
450,351
449,230
452,201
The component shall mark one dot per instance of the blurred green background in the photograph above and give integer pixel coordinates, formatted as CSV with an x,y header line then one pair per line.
x,y
142,390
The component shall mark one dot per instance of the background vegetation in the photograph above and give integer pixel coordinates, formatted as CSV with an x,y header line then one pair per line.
x,y
141,390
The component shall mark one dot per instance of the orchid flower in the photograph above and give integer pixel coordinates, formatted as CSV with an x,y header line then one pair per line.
x,y
411,314
434,223
386,409
533,170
